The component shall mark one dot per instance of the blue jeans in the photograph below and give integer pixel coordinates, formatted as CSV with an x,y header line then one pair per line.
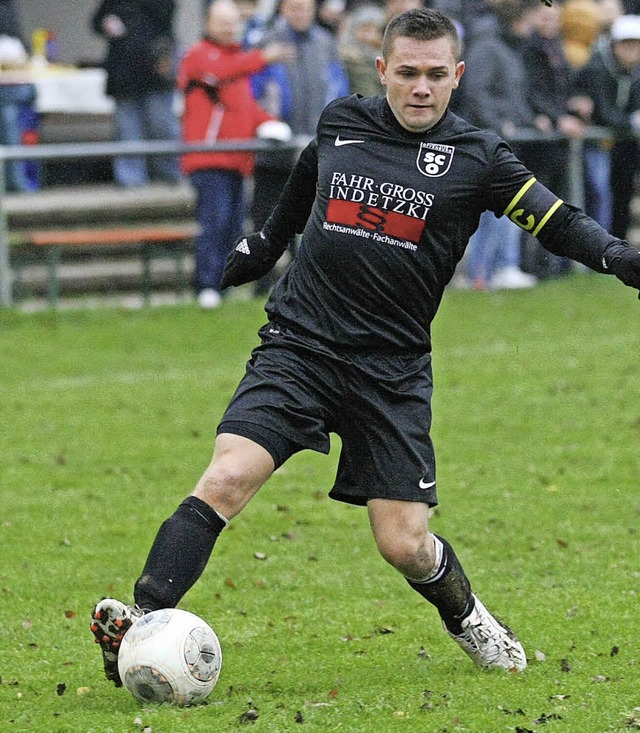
x,y
220,213
494,246
597,163
15,99
148,117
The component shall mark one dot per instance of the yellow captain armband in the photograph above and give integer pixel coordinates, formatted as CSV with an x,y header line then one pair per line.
x,y
532,207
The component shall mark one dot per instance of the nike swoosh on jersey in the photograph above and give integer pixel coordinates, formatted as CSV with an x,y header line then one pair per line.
x,y
424,485
339,143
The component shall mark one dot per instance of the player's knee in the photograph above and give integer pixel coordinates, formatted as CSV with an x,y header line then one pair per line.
x,y
227,487
409,555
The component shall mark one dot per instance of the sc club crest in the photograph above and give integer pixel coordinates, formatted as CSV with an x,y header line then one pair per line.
x,y
434,160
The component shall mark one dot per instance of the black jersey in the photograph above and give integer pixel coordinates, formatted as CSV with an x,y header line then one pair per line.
x,y
388,216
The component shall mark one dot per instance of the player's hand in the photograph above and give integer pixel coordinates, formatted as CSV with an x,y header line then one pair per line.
x,y
624,262
251,257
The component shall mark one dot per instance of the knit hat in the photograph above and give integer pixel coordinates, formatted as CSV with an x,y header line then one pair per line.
x,y
626,28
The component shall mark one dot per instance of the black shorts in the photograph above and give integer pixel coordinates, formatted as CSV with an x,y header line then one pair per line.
x,y
296,391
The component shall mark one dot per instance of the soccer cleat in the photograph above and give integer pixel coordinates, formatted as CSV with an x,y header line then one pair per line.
x,y
489,642
110,620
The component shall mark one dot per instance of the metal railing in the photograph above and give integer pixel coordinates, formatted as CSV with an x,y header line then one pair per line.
x,y
79,151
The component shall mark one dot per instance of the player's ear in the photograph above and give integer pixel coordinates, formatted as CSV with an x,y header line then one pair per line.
x,y
460,67
382,70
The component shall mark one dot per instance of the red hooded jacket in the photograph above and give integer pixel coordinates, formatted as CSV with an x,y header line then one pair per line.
x,y
218,103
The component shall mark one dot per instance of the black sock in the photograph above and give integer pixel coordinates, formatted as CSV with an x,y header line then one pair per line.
x,y
450,591
179,555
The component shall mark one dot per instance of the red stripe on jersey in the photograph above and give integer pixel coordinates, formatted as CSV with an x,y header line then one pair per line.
x,y
353,214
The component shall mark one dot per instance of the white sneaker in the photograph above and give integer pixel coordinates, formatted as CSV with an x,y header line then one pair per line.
x,y
512,278
110,621
489,642
209,298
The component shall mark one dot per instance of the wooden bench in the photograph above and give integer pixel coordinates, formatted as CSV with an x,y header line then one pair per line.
x,y
152,240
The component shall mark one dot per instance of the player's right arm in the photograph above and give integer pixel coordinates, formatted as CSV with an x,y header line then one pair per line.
x,y
255,255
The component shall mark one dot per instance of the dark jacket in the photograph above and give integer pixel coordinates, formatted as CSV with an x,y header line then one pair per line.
x,y
140,61
9,22
614,91
549,76
495,88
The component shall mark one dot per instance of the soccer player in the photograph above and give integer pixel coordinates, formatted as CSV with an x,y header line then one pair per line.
x,y
386,197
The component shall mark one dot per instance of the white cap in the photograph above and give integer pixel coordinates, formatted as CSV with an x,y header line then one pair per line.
x,y
274,130
626,28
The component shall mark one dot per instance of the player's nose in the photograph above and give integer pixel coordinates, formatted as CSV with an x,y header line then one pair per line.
x,y
422,88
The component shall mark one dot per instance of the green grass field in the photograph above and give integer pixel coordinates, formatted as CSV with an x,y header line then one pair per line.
x,y
107,420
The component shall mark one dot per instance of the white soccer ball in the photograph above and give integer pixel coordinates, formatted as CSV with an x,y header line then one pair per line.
x,y
170,656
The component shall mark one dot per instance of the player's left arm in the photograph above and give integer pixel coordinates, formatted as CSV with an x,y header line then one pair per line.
x,y
567,231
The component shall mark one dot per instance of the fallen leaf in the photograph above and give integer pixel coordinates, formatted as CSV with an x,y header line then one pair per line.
x,y
229,582
70,614
259,556
382,630
632,720
540,656
546,717
599,678
249,716
83,690
519,711
564,665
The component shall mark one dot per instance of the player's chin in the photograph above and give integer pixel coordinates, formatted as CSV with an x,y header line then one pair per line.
x,y
419,119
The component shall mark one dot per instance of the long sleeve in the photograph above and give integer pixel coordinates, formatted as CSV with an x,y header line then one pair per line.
x,y
296,200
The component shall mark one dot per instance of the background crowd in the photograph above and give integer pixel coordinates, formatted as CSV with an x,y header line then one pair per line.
x,y
540,76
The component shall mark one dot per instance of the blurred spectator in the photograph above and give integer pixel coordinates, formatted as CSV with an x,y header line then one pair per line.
x,y
612,81
214,78
496,96
597,183
360,42
254,22
579,27
296,92
331,14
140,68
17,99
10,22
470,14
550,80
395,7
609,11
